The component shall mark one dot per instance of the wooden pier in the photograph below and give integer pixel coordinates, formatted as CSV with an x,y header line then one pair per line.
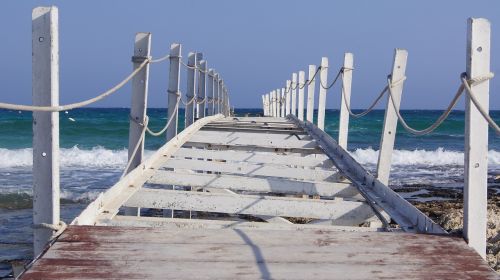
x,y
260,175
239,197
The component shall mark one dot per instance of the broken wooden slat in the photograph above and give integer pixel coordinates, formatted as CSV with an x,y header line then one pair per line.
x,y
341,212
312,160
253,170
243,183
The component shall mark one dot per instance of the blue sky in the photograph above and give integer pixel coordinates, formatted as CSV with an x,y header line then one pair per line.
x,y
255,45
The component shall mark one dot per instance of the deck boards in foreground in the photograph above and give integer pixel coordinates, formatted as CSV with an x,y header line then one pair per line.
x,y
84,252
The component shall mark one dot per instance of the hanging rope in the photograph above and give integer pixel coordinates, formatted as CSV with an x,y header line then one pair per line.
x,y
78,104
341,70
370,108
464,85
467,83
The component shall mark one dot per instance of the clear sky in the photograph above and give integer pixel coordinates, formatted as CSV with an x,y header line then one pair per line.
x,y
255,45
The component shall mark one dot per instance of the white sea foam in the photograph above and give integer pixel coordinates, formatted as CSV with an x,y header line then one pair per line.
x,y
97,157
438,157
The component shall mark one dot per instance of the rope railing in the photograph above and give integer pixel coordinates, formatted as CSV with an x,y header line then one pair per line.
x,y
464,86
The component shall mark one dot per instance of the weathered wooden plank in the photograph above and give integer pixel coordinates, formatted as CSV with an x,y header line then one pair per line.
x,y
198,231
324,249
341,212
154,269
265,136
182,224
108,203
254,170
263,185
289,142
313,160
253,148
256,129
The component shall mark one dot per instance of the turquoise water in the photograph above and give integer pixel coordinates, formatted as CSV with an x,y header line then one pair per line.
x,y
94,153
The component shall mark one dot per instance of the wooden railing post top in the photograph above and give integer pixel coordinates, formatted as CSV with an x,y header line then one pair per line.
x,y
40,11
175,49
324,61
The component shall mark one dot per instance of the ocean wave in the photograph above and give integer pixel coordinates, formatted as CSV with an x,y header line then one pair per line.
x,y
97,157
438,157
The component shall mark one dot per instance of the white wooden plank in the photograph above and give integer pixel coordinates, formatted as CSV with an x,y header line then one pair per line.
x,y
45,85
182,224
345,100
274,141
254,148
311,161
339,211
253,170
476,137
110,201
264,136
391,119
263,185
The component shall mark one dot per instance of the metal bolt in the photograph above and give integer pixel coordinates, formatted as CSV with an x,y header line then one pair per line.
x,y
476,165
44,154
479,49
40,39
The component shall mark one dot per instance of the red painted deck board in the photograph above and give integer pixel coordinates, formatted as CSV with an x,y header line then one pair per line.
x,y
88,252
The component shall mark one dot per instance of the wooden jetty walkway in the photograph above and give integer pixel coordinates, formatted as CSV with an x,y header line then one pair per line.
x,y
272,170
234,197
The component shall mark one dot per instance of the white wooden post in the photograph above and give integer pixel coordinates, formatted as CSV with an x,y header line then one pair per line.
x,y
223,98
273,103
216,94
142,50
268,101
293,88
283,102
476,136
45,87
202,89
288,97
391,119
267,104
345,100
174,79
220,96
192,80
310,93
323,75
263,105
210,92
301,95
138,107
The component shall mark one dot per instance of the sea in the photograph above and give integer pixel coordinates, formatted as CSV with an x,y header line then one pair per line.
x,y
94,153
